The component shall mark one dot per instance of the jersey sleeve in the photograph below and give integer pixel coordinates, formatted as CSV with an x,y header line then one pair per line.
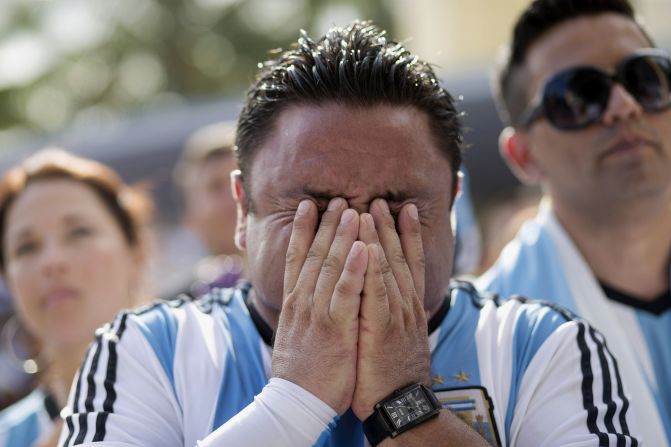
x,y
121,395
572,394
290,416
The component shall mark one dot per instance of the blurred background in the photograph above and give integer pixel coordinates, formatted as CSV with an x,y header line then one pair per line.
x,y
127,81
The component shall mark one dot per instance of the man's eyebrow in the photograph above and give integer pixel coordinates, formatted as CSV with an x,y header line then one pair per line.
x,y
322,194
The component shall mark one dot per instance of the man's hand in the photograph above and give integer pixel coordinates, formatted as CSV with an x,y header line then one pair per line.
x,y
393,347
316,339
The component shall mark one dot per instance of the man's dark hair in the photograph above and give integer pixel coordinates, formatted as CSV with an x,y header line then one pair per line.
x,y
357,65
539,17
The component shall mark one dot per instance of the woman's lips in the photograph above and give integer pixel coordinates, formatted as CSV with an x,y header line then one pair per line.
x,y
59,295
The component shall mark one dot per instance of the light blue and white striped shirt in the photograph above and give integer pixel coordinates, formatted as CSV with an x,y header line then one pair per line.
x,y
542,261
197,373
23,423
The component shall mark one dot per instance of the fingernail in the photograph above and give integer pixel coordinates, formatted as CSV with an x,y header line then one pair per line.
x,y
303,208
347,216
383,205
412,211
334,204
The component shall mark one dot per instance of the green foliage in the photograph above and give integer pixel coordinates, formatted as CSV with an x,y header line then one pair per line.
x,y
83,61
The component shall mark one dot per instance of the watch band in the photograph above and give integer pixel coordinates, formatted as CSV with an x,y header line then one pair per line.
x,y
377,427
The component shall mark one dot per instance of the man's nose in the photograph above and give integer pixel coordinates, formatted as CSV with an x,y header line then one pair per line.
x,y
622,106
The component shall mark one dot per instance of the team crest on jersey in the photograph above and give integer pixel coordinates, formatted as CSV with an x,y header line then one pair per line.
x,y
474,407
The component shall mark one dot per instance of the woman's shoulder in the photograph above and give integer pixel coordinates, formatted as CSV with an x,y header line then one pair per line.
x,y
24,408
24,419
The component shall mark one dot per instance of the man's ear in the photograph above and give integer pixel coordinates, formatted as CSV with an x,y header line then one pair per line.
x,y
516,151
242,205
456,188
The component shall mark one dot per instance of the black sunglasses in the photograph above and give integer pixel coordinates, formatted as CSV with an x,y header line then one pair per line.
x,y
578,96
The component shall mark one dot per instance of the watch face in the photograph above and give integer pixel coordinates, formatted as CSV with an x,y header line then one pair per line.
x,y
407,407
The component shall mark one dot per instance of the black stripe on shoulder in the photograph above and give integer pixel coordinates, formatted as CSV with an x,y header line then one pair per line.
x,y
623,398
78,386
588,392
225,296
244,286
222,297
603,352
110,377
90,390
607,389
179,301
71,430
101,421
480,297
561,310
567,314
586,386
477,297
173,303
86,376
204,303
83,428
91,386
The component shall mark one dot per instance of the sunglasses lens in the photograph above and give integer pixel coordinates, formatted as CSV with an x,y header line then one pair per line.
x,y
648,79
576,98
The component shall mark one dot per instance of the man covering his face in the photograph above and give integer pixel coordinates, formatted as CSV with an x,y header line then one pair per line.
x,y
349,331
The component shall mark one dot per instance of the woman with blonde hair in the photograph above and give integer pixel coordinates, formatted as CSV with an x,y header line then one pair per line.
x,y
73,252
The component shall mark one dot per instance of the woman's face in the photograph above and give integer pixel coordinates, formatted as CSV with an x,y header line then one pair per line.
x,y
67,263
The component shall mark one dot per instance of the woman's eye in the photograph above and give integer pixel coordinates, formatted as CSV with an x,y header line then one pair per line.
x,y
80,232
25,248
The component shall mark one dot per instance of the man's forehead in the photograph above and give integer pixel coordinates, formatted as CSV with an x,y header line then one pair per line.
x,y
348,151
311,133
580,41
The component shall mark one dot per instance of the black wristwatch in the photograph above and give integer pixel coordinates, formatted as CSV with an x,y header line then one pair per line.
x,y
402,410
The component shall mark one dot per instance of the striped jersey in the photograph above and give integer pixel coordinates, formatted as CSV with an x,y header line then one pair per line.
x,y
543,261
196,373
23,423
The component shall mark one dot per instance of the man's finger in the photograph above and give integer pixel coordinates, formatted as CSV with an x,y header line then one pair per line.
x,y
347,293
393,251
332,267
375,311
410,233
321,244
302,234
369,235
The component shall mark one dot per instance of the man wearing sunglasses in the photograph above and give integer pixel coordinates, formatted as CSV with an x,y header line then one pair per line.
x,y
587,101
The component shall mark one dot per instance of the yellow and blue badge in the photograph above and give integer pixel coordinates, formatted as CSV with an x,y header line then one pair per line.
x,y
474,407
